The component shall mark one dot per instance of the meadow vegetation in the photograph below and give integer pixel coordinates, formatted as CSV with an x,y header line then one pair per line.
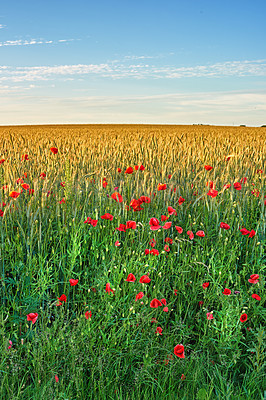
x,y
132,262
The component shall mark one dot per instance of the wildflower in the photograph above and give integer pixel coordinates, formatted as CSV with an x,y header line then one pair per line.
x,y
171,211
154,224
181,200
162,186
147,251
243,180
14,194
119,170
32,317
209,316
117,243
25,157
254,278
54,150
62,298
243,317
164,218
129,170
208,167
167,225
141,168
166,248
190,234
2,161
139,296
154,252
205,285
179,351
152,243
212,192
159,330
88,314
145,199
175,292
168,240
252,233
104,185
43,175
200,233
107,216
256,297
227,292
73,282
200,303
165,309
227,185
244,231
131,278
237,186
62,201
223,225
169,176
179,229
183,377
117,197
10,345
155,303
56,378
108,288
131,225
136,167
121,228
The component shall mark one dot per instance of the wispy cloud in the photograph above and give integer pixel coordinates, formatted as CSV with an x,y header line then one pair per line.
x,y
2,26
21,42
117,70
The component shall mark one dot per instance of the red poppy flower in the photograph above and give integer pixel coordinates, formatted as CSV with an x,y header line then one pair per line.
x,y
256,297
169,176
205,285
154,224
166,248
162,186
129,170
227,186
244,231
54,150
88,314
179,351
152,243
145,199
62,201
172,211
131,225
164,218
237,186
254,278
90,221
201,303
56,378
117,243
144,279
252,233
223,225
104,185
62,298
141,168
165,309
154,252
243,317
147,251
25,157
200,233
183,377
155,303
190,234
212,192
163,301
168,240
107,216
179,229
73,282
14,194
135,204
208,167
119,170
136,167
209,316
131,278
121,228
227,292
108,288
2,161
181,200
117,197
32,317
167,225
139,296
175,292
243,180
159,330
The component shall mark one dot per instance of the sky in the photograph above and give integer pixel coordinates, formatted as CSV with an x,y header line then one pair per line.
x,y
142,61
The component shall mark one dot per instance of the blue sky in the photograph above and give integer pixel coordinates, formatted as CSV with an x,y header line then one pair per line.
x,y
162,62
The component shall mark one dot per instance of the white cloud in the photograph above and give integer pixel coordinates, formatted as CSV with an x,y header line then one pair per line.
x,y
21,42
117,70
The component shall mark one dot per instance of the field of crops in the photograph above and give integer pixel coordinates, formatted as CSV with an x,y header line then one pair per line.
x,y
132,262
